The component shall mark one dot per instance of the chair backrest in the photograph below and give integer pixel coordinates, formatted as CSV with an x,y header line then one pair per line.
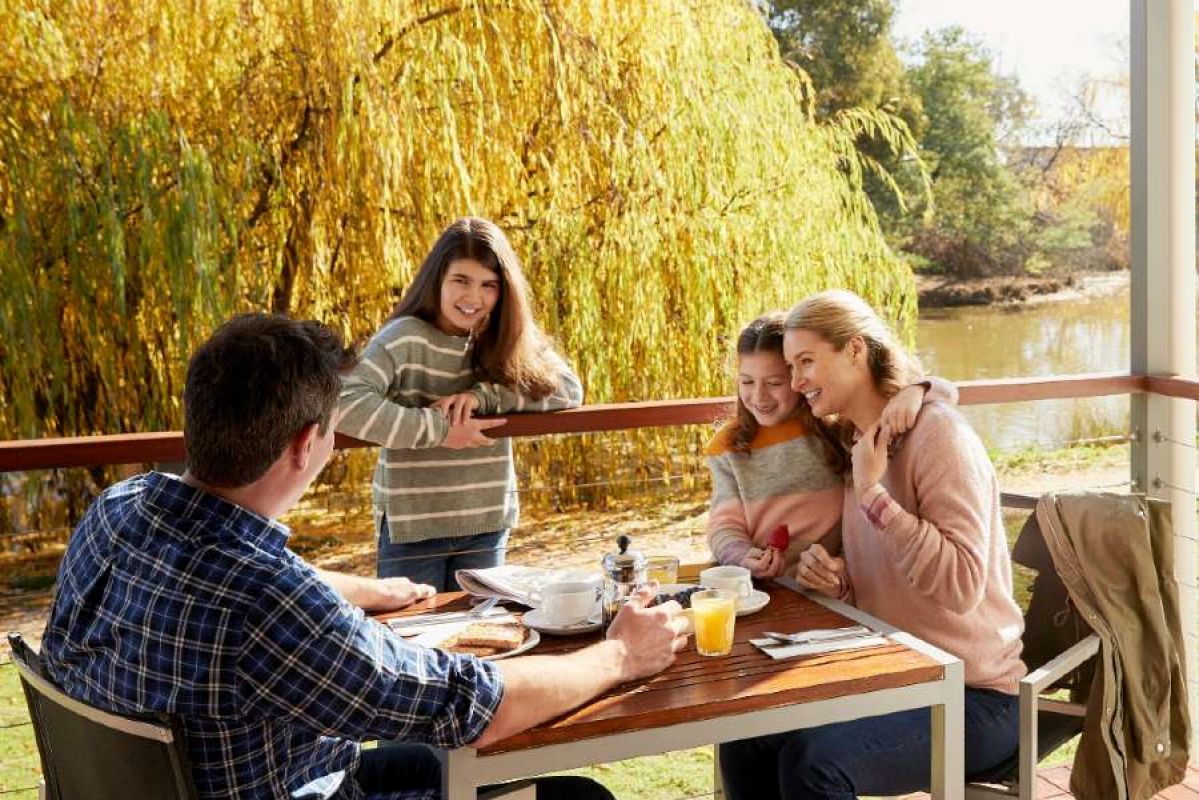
x,y
88,753
1052,625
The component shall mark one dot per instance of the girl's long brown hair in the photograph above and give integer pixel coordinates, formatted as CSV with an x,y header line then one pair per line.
x,y
765,335
509,347
837,316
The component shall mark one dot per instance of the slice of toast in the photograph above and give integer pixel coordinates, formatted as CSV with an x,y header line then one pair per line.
x,y
495,637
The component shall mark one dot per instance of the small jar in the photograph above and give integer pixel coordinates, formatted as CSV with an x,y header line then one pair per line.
x,y
624,574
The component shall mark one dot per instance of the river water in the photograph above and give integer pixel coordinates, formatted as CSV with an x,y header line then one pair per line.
x,y
1087,334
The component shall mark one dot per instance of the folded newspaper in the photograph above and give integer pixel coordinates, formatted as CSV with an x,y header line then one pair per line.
x,y
515,583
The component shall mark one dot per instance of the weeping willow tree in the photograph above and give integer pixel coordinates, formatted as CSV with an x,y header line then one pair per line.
x,y
164,165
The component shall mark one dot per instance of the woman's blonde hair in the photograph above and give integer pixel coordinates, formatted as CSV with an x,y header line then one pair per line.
x,y
510,348
837,316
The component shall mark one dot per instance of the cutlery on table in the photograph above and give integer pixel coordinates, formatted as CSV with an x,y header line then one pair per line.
x,y
401,624
818,637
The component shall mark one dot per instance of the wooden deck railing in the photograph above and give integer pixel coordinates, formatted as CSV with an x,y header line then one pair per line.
x,y
134,448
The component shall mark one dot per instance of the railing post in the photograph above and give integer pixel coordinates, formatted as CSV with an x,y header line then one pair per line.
x,y
1163,282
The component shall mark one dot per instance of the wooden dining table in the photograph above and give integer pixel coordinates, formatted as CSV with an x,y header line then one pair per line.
x,y
703,700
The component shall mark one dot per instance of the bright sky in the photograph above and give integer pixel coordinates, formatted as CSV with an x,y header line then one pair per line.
x,y
1049,44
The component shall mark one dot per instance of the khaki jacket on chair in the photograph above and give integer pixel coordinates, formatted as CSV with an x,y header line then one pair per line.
x,y
1115,554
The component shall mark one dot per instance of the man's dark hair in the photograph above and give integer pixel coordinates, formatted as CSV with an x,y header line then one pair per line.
x,y
255,384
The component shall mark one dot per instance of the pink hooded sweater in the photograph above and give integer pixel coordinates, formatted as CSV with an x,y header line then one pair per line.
x,y
925,550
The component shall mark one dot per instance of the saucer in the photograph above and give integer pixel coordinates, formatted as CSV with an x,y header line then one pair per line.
x,y
753,603
535,620
532,638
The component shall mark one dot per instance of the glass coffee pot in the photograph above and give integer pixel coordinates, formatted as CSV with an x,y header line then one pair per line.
x,y
624,574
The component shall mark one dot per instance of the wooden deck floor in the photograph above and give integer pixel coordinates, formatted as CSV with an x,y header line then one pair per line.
x,y
1054,784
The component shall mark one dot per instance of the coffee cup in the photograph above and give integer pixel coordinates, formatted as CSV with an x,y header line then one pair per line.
x,y
566,602
729,577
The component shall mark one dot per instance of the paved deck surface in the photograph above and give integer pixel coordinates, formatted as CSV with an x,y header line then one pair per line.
x,y
1054,784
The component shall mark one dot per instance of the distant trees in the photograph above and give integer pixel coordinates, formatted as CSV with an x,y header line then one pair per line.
x,y
960,197
979,223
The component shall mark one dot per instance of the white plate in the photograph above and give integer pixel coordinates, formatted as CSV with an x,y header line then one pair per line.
x,y
755,602
532,639
534,620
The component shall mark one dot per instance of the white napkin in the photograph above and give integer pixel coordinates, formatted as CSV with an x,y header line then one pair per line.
x,y
775,649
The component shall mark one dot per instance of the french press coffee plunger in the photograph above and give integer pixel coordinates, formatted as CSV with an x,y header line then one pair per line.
x,y
624,574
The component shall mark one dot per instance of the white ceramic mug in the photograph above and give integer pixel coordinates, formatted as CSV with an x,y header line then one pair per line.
x,y
567,602
728,577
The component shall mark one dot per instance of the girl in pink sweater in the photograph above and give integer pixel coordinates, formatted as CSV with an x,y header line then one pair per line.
x,y
776,466
924,549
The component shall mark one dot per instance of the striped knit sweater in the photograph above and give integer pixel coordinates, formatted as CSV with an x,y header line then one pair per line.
x,y
428,491
784,480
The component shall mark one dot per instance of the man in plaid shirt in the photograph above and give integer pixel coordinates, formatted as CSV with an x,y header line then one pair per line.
x,y
179,595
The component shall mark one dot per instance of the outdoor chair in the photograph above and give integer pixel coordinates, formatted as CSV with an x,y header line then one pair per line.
x,y
1058,650
89,754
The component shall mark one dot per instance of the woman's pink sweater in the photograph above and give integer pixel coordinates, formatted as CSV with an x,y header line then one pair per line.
x,y
925,550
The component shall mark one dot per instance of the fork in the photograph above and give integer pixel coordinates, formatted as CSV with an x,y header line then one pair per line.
x,y
836,635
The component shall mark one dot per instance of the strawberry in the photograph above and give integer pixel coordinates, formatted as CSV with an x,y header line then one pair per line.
x,y
779,538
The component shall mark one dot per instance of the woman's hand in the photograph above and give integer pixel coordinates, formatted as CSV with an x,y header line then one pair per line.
x,y
457,408
901,410
870,457
821,572
761,563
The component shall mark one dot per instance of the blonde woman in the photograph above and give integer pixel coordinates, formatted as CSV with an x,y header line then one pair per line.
x,y
924,549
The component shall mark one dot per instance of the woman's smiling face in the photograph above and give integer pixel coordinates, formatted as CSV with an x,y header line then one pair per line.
x,y
824,375
764,386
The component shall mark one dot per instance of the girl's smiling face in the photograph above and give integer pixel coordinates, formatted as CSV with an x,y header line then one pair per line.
x,y
764,386
469,291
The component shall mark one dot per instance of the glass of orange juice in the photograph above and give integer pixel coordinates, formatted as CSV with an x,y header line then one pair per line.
x,y
713,613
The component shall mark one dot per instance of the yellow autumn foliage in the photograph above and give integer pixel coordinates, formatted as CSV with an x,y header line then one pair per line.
x,y
165,164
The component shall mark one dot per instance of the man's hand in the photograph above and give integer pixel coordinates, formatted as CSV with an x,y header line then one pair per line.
x,y
376,594
819,571
641,642
766,563
458,408
470,433
651,636
870,457
391,594
900,412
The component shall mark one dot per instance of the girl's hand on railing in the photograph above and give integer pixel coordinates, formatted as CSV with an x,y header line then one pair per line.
x,y
470,433
457,408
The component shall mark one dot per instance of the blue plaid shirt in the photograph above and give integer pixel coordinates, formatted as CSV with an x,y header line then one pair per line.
x,y
174,600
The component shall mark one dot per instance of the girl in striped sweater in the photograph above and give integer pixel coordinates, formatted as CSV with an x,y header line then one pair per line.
x,y
774,466
461,342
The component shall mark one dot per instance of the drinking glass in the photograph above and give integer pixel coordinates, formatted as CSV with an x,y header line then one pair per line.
x,y
714,612
663,569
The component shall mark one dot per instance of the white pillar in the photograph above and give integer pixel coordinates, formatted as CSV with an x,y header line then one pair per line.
x,y
1163,282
